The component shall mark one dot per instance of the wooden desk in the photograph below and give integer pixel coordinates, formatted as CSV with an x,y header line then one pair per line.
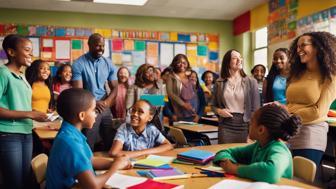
x,y
206,182
209,120
210,131
46,130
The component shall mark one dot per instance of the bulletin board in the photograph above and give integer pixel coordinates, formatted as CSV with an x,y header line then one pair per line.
x,y
129,48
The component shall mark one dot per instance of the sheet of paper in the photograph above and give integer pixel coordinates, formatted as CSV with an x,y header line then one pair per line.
x,y
62,49
123,181
179,49
166,54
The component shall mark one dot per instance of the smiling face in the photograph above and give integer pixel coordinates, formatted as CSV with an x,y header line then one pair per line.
x,y
193,78
97,47
123,75
44,71
149,75
89,116
280,60
66,74
259,73
208,78
24,53
236,61
182,65
140,114
305,49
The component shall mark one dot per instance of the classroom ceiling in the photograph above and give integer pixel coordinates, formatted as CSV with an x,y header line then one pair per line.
x,y
197,9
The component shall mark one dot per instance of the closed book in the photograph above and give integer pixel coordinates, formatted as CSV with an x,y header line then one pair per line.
x,y
151,184
200,155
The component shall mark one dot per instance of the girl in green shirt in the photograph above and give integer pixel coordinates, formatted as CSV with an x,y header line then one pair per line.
x,y
268,159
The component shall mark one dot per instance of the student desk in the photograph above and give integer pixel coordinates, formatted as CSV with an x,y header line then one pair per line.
x,y
46,130
209,120
210,131
206,182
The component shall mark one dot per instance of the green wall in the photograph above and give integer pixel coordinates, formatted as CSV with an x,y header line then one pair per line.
x,y
243,43
223,28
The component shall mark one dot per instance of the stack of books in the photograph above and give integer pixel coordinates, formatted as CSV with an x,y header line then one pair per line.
x,y
196,156
151,164
163,174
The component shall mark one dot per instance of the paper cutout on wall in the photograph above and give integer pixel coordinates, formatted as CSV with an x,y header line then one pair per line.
x,y
173,36
79,32
139,45
152,49
202,50
213,56
36,46
107,50
126,57
47,43
22,29
128,45
117,58
62,49
60,32
164,36
46,55
32,30
138,57
70,32
193,38
179,49
76,44
117,44
213,46
167,57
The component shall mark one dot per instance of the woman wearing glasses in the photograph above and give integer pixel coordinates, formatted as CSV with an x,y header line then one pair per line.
x,y
311,90
236,97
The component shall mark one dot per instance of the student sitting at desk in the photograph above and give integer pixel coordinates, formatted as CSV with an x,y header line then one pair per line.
x,y
140,136
71,157
268,159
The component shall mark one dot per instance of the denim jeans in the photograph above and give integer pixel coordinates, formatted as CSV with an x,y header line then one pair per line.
x,y
15,157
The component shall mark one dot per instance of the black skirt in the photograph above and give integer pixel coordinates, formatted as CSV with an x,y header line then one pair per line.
x,y
233,129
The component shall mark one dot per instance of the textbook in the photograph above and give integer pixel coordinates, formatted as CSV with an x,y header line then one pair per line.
x,y
151,184
151,163
166,159
196,156
236,184
155,100
163,174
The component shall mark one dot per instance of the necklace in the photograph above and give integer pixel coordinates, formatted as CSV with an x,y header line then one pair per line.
x,y
234,83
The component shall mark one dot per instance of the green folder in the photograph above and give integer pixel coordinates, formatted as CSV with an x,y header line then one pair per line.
x,y
155,100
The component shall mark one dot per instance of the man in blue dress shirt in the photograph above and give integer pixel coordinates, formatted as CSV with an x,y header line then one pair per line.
x,y
91,71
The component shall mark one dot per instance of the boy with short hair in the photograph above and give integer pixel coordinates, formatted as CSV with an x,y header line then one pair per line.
x,y
71,158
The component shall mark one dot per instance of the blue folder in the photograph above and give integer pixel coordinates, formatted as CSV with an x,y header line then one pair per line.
x,y
155,100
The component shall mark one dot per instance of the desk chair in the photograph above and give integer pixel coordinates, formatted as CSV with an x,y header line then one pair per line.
x,y
304,168
177,133
39,166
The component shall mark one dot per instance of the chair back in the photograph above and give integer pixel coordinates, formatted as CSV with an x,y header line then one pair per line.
x,y
304,168
178,135
39,166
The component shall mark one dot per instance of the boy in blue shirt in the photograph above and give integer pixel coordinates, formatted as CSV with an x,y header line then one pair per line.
x,y
71,158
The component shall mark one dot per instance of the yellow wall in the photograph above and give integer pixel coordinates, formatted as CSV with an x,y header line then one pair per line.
x,y
259,17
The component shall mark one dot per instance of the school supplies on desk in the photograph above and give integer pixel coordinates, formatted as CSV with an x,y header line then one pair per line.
x,y
163,174
166,159
235,184
151,163
155,100
186,123
151,184
196,156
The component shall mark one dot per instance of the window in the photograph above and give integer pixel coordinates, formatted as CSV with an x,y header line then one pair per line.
x,y
260,47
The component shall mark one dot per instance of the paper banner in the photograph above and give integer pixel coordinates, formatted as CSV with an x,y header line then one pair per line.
x,y
36,46
152,49
70,32
139,45
173,36
117,44
62,49
128,45
117,58
76,44
164,36
179,49
60,32
22,30
202,50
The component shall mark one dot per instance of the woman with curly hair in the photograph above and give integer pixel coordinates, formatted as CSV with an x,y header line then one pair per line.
x,y
311,90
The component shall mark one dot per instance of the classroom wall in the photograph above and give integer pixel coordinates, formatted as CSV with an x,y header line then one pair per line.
x,y
243,45
55,18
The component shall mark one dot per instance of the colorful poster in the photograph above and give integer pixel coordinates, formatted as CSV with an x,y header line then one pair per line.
x,y
76,44
117,44
60,32
139,45
167,54
36,46
152,49
179,48
128,45
62,49
138,57
117,58
202,50
173,36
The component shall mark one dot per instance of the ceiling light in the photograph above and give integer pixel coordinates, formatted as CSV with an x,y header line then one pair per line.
x,y
123,2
